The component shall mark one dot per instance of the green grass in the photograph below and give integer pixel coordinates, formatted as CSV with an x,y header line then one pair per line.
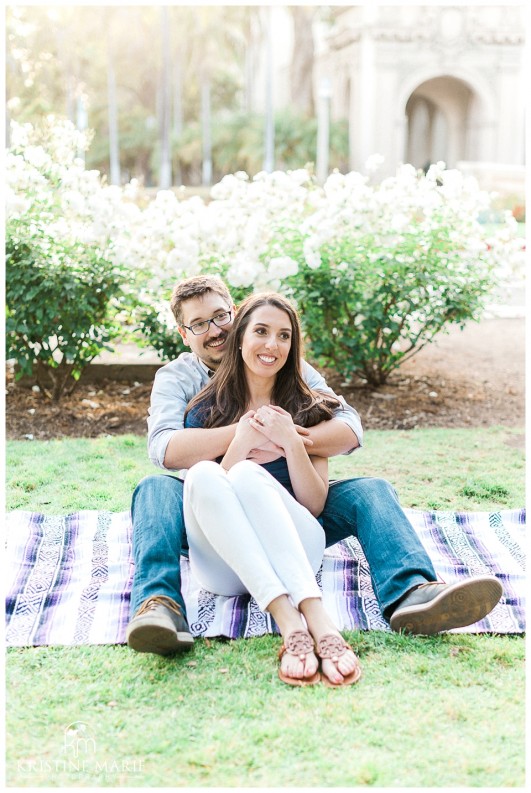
x,y
444,711
466,469
440,711
71,474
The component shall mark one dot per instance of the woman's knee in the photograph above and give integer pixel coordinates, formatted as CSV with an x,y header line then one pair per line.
x,y
246,474
244,468
204,475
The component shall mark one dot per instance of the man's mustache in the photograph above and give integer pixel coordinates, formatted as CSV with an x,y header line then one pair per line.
x,y
217,339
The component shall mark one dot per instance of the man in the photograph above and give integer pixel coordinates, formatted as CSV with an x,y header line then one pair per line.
x,y
403,577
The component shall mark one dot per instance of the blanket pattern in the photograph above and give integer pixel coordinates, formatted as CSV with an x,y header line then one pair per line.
x,y
69,577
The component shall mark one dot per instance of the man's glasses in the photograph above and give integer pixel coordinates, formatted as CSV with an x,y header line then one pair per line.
x,y
198,328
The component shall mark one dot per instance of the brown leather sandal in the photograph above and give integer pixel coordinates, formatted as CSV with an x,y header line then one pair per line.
x,y
332,646
298,643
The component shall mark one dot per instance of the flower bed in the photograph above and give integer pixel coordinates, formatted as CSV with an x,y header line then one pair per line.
x,y
377,269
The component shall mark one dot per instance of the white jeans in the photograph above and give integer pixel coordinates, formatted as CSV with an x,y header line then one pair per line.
x,y
248,534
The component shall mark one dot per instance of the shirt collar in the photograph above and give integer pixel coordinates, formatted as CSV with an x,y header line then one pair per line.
x,y
203,366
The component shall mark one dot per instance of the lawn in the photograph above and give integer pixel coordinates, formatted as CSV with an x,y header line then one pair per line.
x,y
431,469
442,711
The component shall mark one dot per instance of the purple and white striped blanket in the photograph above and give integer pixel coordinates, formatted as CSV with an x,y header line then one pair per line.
x,y
69,577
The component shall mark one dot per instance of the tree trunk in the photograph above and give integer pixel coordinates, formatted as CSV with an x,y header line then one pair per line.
x,y
165,107
54,381
114,145
206,130
302,61
177,113
253,41
269,131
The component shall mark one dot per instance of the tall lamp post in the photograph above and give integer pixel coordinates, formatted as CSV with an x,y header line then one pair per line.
x,y
323,130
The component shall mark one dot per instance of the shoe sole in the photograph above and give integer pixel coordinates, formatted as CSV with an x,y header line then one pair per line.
x,y
457,606
159,640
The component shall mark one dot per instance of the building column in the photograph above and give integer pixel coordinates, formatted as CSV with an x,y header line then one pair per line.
x,y
509,144
363,98
400,139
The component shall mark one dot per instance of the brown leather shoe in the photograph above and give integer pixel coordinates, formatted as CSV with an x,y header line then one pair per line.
x,y
435,607
160,627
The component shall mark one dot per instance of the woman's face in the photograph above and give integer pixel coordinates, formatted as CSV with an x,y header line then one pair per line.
x,y
266,341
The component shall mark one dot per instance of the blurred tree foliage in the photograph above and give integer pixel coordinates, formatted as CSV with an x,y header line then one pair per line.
x,y
61,61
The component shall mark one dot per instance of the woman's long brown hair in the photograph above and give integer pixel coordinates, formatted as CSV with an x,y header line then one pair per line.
x,y
226,397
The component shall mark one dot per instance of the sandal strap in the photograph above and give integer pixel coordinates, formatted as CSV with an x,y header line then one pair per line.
x,y
331,646
298,643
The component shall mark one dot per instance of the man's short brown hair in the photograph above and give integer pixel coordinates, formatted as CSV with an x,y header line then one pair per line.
x,y
196,286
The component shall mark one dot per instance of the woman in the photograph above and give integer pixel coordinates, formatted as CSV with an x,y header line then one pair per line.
x,y
255,528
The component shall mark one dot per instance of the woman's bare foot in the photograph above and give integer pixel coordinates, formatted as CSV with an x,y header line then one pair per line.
x,y
298,660
338,661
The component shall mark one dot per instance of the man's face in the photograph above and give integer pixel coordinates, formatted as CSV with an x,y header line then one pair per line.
x,y
209,346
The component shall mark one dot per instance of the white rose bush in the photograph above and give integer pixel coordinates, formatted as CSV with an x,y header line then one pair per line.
x,y
384,268
62,290
376,269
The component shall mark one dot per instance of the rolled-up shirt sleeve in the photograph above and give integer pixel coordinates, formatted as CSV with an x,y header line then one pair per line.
x,y
345,413
175,385
178,382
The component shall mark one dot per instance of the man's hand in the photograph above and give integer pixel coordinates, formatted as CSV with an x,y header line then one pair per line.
x,y
262,456
265,453
268,451
304,433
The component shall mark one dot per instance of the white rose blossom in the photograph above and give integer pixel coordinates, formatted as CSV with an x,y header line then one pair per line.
x,y
256,230
244,271
282,267
374,162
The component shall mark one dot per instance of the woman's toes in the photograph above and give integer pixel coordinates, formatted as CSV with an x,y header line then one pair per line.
x,y
311,665
291,667
330,669
347,663
294,667
306,668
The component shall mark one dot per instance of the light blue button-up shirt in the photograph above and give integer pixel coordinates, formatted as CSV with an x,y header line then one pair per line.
x,y
179,381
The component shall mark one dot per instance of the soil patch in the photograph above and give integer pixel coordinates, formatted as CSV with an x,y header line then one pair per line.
x,y
469,378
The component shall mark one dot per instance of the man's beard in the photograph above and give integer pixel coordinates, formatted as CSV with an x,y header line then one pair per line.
x,y
211,354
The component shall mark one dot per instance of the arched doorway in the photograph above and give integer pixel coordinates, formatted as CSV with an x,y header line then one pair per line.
x,y
440,117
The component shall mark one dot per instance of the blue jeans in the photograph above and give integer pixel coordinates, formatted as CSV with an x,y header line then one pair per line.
x,y
364,507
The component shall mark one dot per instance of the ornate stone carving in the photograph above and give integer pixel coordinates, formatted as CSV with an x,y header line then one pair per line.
x,y
344,38
499,37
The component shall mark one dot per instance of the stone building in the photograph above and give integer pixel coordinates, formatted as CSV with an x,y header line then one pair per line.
x,y
425,83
